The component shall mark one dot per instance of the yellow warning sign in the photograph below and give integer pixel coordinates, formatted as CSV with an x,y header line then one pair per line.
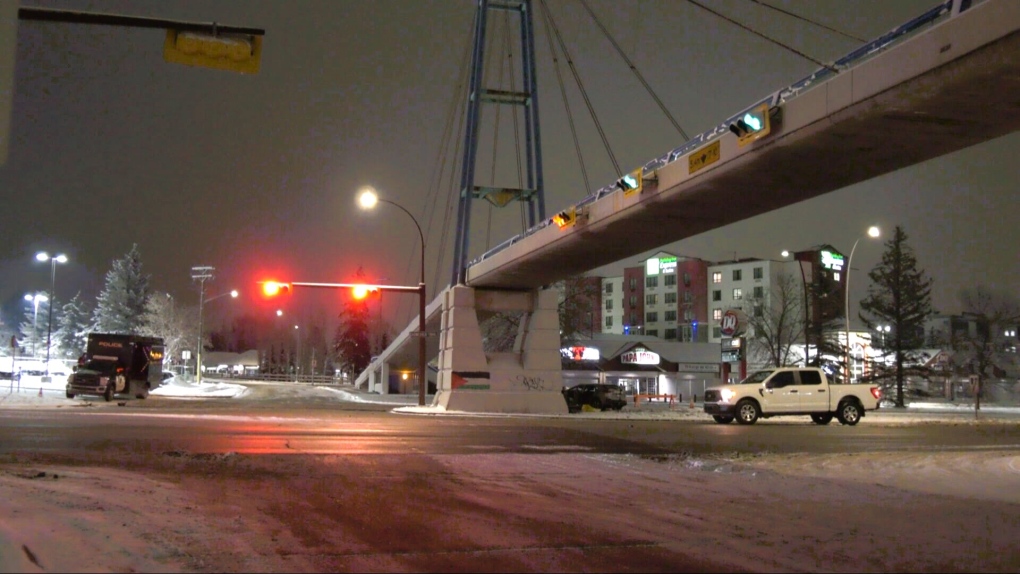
x,y
703,157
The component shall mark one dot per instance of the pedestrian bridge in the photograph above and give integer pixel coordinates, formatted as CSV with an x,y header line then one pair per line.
x,y
947,80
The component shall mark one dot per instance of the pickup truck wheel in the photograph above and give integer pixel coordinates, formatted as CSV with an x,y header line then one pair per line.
x,y
822,419
849,413
748,412
69,394
723,420
108,393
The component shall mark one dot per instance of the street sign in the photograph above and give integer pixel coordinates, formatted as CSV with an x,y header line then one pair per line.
x,y
703,157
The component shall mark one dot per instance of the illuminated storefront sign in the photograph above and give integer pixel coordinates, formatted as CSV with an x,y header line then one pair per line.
x,y
831,260
657,265
580,353
639,357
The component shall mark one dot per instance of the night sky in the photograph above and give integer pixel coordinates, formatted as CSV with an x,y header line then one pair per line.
x,y
257,175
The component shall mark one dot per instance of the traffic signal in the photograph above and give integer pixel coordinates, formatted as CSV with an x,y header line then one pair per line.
x,y
359,292
754,124
631,183
274,288
234,52
565,218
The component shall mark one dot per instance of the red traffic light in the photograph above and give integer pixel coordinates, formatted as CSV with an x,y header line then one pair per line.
x,y
361,291
274,288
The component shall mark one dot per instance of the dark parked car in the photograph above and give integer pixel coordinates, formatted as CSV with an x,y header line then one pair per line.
x,y
596,396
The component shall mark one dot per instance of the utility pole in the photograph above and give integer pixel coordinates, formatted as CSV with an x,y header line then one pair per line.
x,y
201,274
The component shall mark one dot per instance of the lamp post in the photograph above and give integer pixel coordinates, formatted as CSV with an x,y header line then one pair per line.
x,y
297,358
873,233
35,300
803,283
368,198
43,256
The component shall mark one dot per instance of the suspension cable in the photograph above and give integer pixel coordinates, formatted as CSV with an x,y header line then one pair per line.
x,y
566,101
580,86
634,69
808,20
763,36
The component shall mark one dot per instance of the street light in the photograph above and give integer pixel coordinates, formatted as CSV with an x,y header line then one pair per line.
x,y
803,282
35,300
43,256
368,198
873,233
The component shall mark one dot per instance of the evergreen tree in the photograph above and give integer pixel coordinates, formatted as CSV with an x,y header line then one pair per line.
x,y
73,328
900,296
351,342
122,302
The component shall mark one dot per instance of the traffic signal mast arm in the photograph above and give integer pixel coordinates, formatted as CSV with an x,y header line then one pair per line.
x,y
395,288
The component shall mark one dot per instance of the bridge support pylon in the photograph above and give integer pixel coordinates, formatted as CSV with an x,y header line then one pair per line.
x,y
527,379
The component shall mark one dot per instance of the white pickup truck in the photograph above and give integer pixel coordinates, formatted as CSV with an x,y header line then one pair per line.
x,y
790,391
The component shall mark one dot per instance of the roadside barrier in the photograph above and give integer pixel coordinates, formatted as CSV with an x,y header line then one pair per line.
x,y
667,398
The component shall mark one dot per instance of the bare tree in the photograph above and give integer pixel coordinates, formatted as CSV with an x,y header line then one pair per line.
x,y
173,323
979,351
776,321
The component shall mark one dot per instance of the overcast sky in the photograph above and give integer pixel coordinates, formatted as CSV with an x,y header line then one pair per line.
x,y
256,175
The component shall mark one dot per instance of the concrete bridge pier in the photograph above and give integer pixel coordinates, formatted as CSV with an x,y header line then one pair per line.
x,y
525,380
378,379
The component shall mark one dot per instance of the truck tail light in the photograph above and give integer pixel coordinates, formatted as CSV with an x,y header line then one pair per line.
x,y
876,392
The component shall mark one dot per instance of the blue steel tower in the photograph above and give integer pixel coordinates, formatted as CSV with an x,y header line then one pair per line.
x,y
478,94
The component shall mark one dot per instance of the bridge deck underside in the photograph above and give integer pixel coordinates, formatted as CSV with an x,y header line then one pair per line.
x,y
965,102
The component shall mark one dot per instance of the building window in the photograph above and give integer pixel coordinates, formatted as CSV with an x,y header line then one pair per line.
x,y
736,274
651,317
670,298
686,333
759,292
609,304
717,314
688,315
653,333
716,332
717,295
633,283
633,319
650,299
669,280
738,294
687,279
633,301
609,288
609,321
757,272
652,281
688,297
717,277
671,315
671,334
759,311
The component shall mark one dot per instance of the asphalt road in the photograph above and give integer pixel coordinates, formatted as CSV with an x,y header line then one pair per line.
x,y
313,425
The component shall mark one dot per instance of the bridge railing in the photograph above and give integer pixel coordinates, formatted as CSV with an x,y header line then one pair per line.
x,y
851,59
